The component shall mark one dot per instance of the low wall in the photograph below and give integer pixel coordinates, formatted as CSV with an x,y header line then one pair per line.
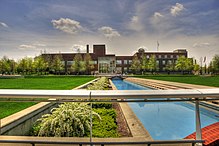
x,y
21,122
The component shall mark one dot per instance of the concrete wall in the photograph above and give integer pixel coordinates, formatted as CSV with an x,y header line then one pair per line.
x,y
21,123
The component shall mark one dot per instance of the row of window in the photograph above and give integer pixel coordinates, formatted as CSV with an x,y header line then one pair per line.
x,y
124,61
120,62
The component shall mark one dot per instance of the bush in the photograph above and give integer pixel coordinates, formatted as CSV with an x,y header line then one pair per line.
x,y
101,84
69,119
107,127
102,105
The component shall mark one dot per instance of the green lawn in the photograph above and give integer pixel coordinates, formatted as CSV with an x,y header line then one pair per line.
x,y
44,82
199,80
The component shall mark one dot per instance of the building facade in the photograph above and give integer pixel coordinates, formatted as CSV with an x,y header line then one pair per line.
x,y
110,63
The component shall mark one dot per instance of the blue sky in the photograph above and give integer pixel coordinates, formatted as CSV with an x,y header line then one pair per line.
x,y
29,26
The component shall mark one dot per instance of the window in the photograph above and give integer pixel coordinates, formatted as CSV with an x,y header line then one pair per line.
x,y
125,69
125,61
177,56
118,61
69,62
159,56
157,62
63,62
165,56
164,62
171,56
130,61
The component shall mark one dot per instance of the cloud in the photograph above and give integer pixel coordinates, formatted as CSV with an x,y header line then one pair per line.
x,y
135,24
78,48
26,47
2,24
176,9
158,15
199,45
135,19
67,25
34,46
109,32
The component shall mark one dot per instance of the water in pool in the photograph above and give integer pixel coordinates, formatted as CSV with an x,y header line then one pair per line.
x,y
168,120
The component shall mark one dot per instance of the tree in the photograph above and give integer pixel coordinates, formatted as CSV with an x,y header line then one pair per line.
x,y
5,67
144,64
152,64
30,65
170,66
88,63
48,59
22,65
189,64
184,64
196,69
57,64
77,65
136,65
215,64
181,64
40,64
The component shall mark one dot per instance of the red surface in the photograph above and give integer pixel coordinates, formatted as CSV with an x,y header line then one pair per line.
x,y
209,133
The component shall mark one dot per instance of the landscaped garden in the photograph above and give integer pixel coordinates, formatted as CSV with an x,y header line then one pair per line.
x,y
37,82
190,79
73,119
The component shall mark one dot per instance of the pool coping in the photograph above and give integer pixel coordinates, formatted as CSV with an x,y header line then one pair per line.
x,y
136,127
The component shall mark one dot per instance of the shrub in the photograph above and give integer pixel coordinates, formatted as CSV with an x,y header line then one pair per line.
x,y
101,84
108,126
69,119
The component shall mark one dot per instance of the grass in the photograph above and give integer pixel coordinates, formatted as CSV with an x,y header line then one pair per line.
x,y
9,108
45,82
190,79
37,82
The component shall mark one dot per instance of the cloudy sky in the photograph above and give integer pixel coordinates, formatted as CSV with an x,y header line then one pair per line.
x,y
28,27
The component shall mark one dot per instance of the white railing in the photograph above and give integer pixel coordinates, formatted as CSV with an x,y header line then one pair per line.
x,y
115,96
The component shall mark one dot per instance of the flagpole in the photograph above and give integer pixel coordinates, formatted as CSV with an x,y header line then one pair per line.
x,y
157,46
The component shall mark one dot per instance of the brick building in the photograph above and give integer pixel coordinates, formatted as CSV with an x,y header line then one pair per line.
x,y
110,63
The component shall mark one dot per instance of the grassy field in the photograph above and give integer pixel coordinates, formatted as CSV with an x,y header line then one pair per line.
x,y
199,80
44,82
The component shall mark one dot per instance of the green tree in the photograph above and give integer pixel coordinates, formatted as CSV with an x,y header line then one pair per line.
x,y
30,65
215,64
144,64
40,64
189,64
57,64
77,65
22,65
181,64
48,59
184,64
5,67
136,65
13,66
170,66
196,69
88,63
152,64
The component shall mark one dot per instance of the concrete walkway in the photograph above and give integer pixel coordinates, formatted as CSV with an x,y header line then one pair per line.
x,y
168,83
